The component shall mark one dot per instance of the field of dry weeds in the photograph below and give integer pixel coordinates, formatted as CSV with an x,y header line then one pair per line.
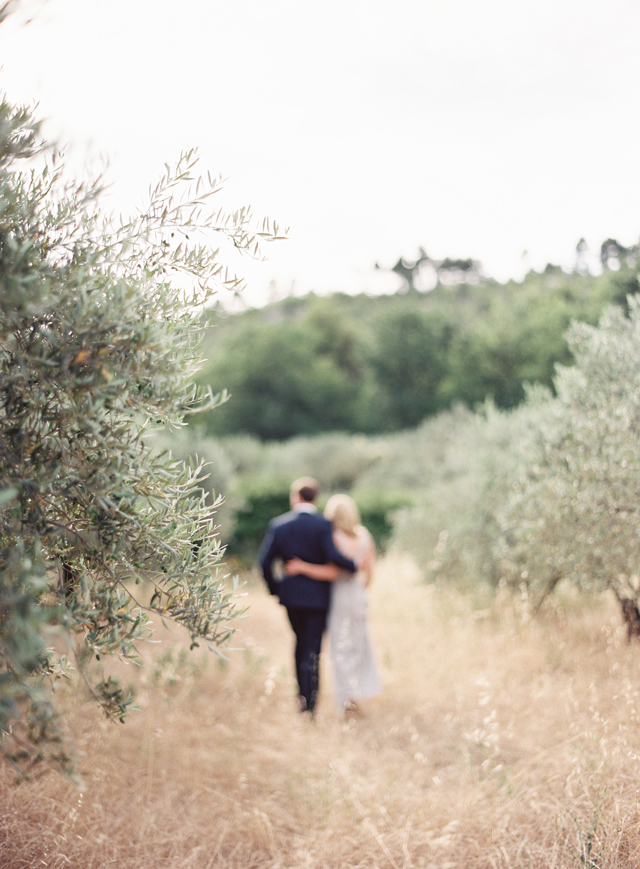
x,y
497,742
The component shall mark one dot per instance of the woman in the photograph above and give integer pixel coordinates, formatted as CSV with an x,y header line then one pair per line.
x,y
355,673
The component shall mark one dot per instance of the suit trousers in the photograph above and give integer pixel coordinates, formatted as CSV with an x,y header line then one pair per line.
x,y
308,626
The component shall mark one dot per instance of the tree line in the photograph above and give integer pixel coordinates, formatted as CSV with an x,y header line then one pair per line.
x,y
381,364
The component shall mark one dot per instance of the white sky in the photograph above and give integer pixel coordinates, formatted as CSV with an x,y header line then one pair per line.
x,y
370,127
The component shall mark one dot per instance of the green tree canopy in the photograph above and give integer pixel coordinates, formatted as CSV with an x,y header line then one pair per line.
x,y
379,364
287,377
410,363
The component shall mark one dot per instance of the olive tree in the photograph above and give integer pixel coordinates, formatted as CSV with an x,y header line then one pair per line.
x,y
100,339
573,510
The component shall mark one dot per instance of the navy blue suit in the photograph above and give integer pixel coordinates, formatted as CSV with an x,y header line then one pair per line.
x,y
307,536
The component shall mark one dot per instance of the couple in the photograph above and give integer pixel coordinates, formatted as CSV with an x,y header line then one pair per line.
x,y
328,563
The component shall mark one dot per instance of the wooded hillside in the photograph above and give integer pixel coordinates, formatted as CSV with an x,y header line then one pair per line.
x,y
383,364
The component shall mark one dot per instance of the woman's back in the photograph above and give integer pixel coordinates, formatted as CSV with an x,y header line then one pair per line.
x,y
352,544
354,666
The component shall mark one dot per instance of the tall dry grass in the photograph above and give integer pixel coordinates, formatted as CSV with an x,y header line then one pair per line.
x,y
497,742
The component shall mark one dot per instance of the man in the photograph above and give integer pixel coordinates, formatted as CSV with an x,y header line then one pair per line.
x,y
303,533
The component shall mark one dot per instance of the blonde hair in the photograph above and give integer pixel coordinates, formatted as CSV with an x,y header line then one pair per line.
x,y
343,512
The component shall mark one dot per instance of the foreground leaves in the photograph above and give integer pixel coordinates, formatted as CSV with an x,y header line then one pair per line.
x,y
100,338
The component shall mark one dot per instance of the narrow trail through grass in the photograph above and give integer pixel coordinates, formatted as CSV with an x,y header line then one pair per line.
x,y
497,742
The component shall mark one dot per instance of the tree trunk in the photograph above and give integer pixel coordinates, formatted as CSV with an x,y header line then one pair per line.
x,y
631,616
554,579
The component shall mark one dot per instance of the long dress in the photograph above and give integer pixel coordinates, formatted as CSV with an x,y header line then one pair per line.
x,y
355,672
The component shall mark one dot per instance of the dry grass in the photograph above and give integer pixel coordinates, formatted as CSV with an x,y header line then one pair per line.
x,y
497,743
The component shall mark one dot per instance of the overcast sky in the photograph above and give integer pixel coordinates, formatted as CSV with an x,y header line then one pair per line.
x,y
370,127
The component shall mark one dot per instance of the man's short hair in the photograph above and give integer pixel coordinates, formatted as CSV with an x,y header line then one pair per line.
x,y
306,487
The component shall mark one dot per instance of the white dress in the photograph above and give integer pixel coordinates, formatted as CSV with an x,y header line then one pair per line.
x,y
355,672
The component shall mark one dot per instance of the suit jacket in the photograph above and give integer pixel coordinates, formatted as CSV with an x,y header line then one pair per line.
x,y
307,536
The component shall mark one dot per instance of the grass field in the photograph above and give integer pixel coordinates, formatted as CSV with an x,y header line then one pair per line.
x,y
497,742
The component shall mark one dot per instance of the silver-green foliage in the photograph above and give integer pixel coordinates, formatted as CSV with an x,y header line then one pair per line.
x,y
338,460
546,492
573,510
100,338
218,476
459,461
